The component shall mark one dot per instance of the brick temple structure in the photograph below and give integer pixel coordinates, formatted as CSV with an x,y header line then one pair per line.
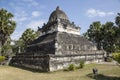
x,y
59,45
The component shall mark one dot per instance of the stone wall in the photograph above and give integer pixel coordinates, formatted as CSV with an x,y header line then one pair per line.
x,y
37,62
53,62
58,62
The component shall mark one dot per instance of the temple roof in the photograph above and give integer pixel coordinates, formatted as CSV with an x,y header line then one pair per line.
x,y
57,14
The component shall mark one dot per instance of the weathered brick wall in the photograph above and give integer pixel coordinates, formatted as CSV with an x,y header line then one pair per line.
x,y
38,62
58,62
54,62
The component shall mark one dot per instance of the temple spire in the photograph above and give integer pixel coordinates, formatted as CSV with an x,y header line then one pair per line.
x,y
58,8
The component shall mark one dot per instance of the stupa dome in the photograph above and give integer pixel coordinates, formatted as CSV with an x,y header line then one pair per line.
x,y
57,14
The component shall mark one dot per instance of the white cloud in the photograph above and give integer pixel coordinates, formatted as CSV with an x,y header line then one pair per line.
x,y
20,19
98,13
91,12
16,35
20,16
110,13
36,13
34,24
101,13
31,2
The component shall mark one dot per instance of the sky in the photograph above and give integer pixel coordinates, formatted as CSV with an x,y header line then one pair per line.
x,y
33,13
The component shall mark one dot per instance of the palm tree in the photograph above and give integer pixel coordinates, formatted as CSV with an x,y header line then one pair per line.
x,y
7,26
28,36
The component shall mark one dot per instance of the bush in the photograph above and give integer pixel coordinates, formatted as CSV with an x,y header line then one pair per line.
x,y
116,56
2,58
71,67
81,65
108,59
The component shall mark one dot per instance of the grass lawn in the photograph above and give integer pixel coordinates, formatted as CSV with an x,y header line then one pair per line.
x,y
105,72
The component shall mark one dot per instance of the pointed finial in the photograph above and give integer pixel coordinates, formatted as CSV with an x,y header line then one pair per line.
x,y
57,8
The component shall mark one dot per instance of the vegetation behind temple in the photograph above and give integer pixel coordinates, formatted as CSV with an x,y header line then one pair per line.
x,y
27,36
116,56
7,27
105,36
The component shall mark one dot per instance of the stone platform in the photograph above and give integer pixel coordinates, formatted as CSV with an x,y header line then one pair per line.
x,y
55,62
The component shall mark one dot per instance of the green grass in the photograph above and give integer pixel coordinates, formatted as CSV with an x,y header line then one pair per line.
x,y
105,72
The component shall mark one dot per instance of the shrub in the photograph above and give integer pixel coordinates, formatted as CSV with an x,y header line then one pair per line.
x,y
82,63
71,67
108,59
2,58
116,56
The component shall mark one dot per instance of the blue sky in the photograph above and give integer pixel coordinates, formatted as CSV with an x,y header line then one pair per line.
x,y
33,13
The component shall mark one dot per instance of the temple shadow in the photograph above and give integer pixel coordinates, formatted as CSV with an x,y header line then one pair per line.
x,y
102,77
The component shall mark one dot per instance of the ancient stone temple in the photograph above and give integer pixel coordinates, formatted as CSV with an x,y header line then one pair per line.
x,y
59,45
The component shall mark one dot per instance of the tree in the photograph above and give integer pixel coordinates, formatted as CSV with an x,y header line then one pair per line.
x,y
7,26
28,36
109,40
18,46
6,48
116,56
105,35
117,20
94,33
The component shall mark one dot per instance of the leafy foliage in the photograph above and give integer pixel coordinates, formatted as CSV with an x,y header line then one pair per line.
x,y
19,45
2,58
7,26
116,56
82,63
28,36
71,67
93,34
117,20
6,49
105,36
108,59
109,37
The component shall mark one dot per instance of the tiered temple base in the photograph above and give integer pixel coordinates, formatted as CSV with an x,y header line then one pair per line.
x,y
54,62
